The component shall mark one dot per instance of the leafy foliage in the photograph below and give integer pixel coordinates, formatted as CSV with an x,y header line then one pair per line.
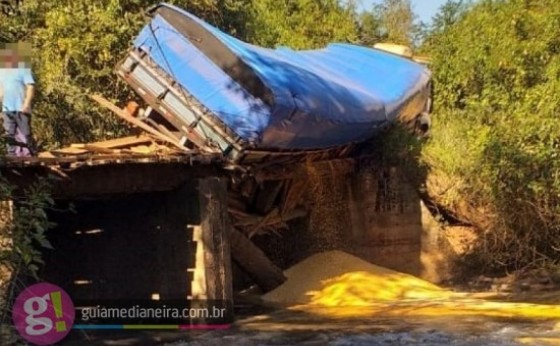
x,y
23,227
76,46
301,24
398,20
497,68
391,21
24,223
369,28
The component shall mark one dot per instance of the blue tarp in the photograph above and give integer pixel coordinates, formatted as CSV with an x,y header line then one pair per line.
x,y
321,98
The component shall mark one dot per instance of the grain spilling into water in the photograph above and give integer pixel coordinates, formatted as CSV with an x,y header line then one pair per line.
x,y
337,284
336,278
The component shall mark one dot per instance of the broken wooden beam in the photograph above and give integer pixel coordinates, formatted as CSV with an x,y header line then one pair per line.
x,y
70,151
267,195
138,123
252,224
216,274
275,218
254,262
123,142
97,149
292,194
271,218
300,170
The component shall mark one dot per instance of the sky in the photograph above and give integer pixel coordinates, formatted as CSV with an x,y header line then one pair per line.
x,y
425,9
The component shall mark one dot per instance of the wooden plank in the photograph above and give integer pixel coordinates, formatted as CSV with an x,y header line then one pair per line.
x,y
215,239
60,173
267,195
256,221
271,218
254,262
166,132
124,115
96,149
37,160
127,158
122,142
107,180
198,283
46,154
70,151
292,195
237,213
140,150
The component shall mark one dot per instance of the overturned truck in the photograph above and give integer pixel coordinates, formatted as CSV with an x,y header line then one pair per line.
x,y
264,109
216,93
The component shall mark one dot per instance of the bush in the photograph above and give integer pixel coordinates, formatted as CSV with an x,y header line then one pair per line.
x,y
76,46
497,72
23,227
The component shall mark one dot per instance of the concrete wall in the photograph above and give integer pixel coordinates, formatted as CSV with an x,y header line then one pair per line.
x,y
374,214
392,227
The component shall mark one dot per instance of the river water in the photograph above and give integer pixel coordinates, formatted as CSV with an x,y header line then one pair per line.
x,y
470,322
364,326
358,303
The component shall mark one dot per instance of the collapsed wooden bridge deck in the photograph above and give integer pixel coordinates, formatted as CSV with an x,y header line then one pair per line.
x,y
220,204
243,204
124,165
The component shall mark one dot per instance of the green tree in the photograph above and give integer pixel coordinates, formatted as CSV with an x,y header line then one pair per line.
x,y
76,46
449,14
397,21
369,28
301,24
78,43
496,70
23,237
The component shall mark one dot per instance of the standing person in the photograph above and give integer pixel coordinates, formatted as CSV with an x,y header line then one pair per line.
x,y
18,88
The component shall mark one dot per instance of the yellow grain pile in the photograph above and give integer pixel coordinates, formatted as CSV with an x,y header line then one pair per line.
x,y
336,278
335,283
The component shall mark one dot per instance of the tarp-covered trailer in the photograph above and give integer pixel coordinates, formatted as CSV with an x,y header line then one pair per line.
x,y
252,102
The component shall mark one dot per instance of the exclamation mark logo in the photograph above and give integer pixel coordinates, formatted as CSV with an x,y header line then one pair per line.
x,y
56,299
43,314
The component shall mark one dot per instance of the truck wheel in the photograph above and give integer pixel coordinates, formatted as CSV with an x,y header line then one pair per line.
x,y
423,124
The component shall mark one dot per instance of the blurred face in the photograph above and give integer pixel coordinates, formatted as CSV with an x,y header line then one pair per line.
x,y
11,57
11,60
6,58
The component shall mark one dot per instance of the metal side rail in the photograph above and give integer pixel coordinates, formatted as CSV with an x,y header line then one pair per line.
x,y
177,106
190,117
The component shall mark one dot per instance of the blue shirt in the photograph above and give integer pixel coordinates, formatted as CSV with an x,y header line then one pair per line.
x,y
13,82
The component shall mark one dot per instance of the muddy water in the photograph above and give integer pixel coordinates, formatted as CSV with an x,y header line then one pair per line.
x,y
333,326
455,321
392,324
358,303
386,307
